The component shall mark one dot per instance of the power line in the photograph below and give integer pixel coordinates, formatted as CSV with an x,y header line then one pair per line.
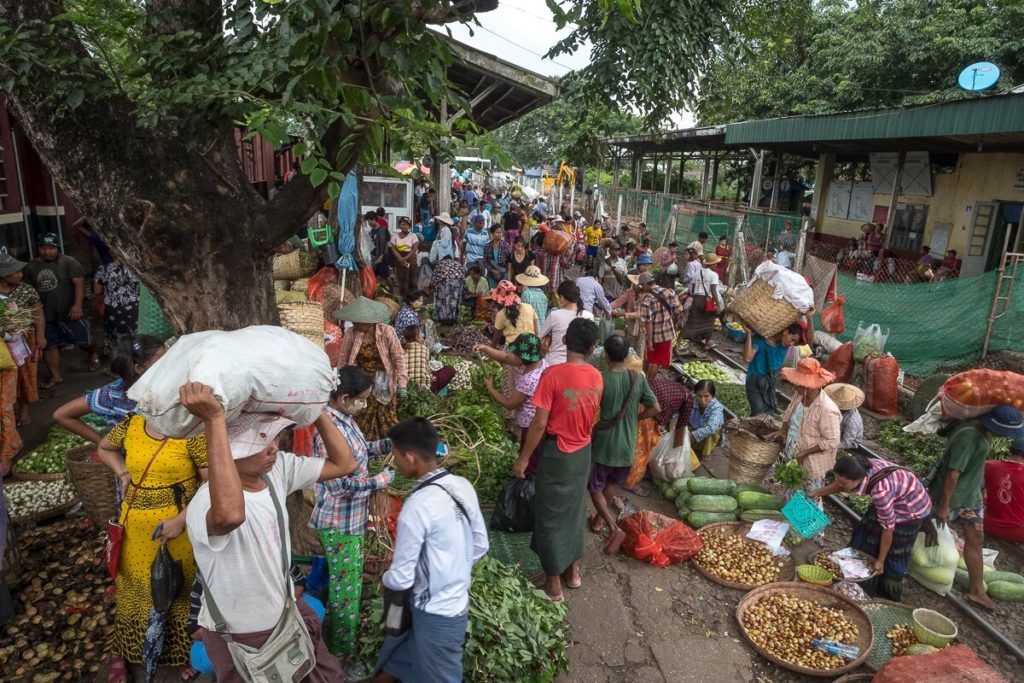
x,y
523,47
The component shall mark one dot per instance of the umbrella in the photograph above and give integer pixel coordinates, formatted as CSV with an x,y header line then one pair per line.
x,y
166,579
407,167
348,214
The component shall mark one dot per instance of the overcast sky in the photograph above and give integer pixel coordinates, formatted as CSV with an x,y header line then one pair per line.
x,y
521,32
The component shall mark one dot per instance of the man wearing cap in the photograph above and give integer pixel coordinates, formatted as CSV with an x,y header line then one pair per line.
x,y
238,525
957,486
698,244
659,311
60,281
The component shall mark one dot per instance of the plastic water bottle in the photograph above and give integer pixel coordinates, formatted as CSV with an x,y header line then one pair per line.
x,y
833,648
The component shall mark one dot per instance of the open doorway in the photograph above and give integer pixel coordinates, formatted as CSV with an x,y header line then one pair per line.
x,y
1007,221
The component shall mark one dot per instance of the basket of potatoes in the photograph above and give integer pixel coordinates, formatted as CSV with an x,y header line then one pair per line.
x,y
781,619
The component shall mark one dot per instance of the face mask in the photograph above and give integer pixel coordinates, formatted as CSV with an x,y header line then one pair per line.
x,y
356,406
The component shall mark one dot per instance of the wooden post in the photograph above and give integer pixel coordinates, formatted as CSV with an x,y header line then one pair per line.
x,y
755,184
897,183
714,178
668,174
638,180
776,181
704,182
443,181
616,168
618,214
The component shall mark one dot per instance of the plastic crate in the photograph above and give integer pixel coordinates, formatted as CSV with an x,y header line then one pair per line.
x,y
806,517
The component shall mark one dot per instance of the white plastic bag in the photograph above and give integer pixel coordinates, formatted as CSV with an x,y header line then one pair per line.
x,y
930,422
868,339
934,567
670,463
258,369
787,284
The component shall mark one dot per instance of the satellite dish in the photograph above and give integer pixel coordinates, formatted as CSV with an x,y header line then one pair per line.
x,y
979,76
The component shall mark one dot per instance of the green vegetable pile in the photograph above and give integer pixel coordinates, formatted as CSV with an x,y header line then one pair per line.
x,y
699,371
734,398
419,402
790,475
858,503
515,633
922,452
49,457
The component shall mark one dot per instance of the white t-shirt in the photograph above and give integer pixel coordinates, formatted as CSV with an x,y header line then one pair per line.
x,y
701,285
403,245
243,568
555,324
436,547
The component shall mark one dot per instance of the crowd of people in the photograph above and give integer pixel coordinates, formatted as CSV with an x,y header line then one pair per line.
x,y
581,316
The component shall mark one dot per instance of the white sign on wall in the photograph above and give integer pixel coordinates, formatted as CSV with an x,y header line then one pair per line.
x,y
917,175
862,201
839,193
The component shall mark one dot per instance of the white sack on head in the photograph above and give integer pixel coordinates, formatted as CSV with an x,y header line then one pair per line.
x,y
258,369
788,285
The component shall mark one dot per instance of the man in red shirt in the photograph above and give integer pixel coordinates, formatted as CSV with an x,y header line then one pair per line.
x,y
567,400
1004,495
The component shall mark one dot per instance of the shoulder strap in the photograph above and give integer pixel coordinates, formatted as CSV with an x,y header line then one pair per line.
x,y
433,482
136,487
880,475
219,622
608,424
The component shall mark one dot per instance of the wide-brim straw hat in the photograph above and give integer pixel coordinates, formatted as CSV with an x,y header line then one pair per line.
x,y
712,260
845,396
364,310
445,218
808,374
532,277
634,278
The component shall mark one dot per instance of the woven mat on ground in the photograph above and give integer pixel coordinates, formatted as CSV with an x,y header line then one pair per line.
x,y
514,549
884,615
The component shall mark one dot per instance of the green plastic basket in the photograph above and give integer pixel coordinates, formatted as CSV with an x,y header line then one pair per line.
x,y
806,517
152,320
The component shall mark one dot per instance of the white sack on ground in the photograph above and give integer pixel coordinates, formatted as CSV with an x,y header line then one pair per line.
x,y
258,369
788,285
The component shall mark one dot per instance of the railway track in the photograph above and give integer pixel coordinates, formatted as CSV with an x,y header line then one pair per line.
x,y
976,617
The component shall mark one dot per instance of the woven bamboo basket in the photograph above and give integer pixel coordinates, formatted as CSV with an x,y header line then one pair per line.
x,y
46,514
392,304
295,265
333,299
305,319
300,285
94,483
786,565
48,476
826,598
760,311
305,540
750,458
282,285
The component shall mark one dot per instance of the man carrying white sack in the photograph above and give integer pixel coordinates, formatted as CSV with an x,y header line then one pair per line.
x,y
238,525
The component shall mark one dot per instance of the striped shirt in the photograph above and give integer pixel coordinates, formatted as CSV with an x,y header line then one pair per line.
x,y
899,497
592,294
344,503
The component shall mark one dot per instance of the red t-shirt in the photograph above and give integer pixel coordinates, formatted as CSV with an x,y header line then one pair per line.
x,y
1004,500
571,394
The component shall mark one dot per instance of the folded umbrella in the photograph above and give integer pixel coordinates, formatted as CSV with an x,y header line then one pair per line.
x,y
166,580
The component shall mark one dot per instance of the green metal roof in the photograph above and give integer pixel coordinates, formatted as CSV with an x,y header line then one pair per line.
x,y
993,115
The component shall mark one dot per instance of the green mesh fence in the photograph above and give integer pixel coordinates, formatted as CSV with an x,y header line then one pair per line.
x,y
930,325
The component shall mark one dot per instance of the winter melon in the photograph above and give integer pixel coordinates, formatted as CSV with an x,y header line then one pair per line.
x,y
706,503
1010,577
710,487
752,500
755,515
697,518
740,488
1001,590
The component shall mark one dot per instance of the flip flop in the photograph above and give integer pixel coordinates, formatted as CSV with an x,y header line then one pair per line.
x,y
50,384
596,524
118,671
558,598
975,603
640,490
187,673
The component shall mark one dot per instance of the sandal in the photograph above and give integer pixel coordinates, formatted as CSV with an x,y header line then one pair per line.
x,y
187,673
641,490
596,523
50,384
569,582
118,671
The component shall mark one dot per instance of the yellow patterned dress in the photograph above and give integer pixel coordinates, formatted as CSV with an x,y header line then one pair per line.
x,y
168,486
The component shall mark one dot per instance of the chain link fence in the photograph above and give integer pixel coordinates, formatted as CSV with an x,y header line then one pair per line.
x,y
934,318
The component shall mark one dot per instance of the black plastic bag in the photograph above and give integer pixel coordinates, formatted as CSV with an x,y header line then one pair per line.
x,y
166,579
514,510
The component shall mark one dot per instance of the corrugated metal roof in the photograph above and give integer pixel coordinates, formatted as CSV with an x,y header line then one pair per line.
x,y
975,116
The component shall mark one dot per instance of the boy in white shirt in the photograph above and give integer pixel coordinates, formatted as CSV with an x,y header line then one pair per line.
x,y
441,534
236,533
